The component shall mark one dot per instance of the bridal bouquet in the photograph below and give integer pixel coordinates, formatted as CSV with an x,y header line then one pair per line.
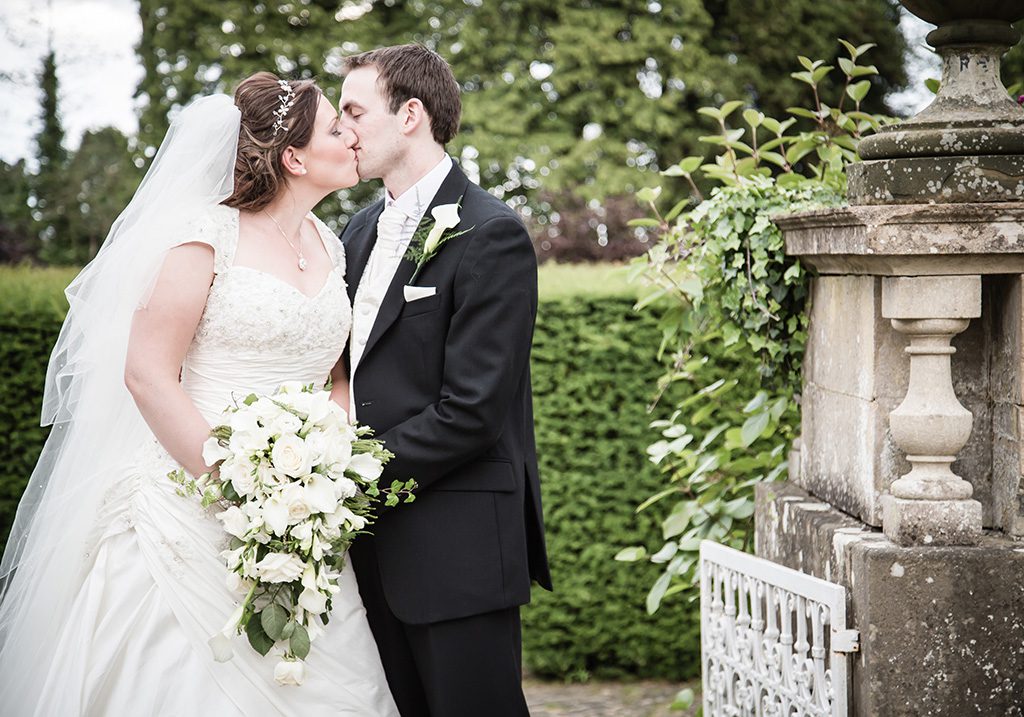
x,y
296,484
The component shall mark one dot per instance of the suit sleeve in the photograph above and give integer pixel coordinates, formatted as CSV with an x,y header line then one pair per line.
x,y
486,355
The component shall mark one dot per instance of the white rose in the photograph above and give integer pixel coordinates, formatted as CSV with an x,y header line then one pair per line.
x,y
321,494
336,418
290,456
279,568
265,410
290,672
316,444
234,521
285,424
367,466
213,451
293,496
300,401
240,475
254,440
337,452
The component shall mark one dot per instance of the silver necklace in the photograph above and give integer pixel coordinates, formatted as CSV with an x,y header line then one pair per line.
x,y
297,250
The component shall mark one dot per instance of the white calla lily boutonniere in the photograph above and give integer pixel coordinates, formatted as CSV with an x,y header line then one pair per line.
x,y
426,243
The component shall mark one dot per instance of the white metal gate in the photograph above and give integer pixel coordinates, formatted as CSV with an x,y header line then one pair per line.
x,y
774,641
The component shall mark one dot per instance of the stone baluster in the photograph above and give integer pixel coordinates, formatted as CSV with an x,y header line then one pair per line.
x,y
931,505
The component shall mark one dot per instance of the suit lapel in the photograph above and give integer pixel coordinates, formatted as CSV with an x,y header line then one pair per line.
x,y
357,251
451,190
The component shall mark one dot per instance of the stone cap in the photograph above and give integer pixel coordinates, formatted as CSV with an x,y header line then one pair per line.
x,y
909,239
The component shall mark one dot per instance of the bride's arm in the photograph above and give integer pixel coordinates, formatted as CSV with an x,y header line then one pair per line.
x,y
339,384
160,336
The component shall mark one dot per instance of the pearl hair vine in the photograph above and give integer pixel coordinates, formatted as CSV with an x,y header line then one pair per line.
x,y
287,99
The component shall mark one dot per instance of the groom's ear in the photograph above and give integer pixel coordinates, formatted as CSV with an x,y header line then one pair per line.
x,y
413,115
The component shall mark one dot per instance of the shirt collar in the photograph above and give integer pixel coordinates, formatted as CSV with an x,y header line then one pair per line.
x,y
414,201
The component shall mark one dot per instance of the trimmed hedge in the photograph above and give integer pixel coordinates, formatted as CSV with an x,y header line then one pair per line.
x,y
593,372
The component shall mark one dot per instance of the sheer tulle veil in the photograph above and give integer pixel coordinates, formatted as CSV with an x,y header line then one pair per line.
x,y
96,425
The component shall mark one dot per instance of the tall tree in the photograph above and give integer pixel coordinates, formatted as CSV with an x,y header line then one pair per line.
x,y
48,186
17,239
100,179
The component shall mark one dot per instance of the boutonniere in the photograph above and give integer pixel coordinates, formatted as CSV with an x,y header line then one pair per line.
x,y
427,242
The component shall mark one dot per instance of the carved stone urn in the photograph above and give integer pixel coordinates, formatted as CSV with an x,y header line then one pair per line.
x,y
968,144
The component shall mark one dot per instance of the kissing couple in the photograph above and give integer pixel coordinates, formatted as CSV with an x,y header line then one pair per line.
x,y
217,282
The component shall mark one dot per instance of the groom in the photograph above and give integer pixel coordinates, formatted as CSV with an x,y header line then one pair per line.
x,y
440,368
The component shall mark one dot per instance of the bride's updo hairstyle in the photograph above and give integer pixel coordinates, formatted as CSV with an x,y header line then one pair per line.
x,y
258,171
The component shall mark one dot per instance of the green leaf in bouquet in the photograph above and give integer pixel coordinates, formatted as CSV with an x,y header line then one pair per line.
x,y
273,618
258,638
289,629
229,492
299,642
250,399
391,501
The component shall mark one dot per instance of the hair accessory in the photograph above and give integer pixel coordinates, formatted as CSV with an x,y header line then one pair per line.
x,y
287,100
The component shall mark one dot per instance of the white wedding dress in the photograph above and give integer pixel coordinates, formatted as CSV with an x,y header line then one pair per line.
x,y
135,642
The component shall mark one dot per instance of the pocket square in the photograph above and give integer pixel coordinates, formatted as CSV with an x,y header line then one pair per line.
x,y
412,293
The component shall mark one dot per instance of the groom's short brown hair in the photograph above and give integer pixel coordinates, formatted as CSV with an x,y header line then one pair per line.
x,y
407,71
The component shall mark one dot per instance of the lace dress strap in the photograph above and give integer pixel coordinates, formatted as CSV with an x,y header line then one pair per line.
x,y
217,228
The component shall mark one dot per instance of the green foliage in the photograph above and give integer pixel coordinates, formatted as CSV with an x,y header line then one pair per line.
x,y
1012,67
721,277
16,241
48,184
562,101
593,355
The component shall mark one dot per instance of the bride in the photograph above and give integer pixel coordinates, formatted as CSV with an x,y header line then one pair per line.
x,y
215,281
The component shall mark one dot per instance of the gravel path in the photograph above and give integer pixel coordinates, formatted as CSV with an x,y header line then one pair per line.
x,y
605,699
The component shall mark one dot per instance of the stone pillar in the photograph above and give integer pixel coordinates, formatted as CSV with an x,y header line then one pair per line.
x,y
931,505
907,488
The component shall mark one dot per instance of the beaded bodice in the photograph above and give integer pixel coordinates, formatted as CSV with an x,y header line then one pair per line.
x,y
258,331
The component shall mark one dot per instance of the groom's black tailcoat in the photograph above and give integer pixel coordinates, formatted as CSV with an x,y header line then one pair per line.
x,y
445,382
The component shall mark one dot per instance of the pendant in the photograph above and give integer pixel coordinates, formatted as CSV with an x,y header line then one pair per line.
x,y
302,263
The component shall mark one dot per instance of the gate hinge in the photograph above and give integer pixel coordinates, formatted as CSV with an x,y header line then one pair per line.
x,y
845,641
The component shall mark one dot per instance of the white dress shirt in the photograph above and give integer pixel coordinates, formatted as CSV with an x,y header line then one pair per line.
x,y
396,226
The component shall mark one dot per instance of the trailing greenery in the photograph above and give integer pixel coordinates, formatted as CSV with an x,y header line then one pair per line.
x,y
593,355
723,284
